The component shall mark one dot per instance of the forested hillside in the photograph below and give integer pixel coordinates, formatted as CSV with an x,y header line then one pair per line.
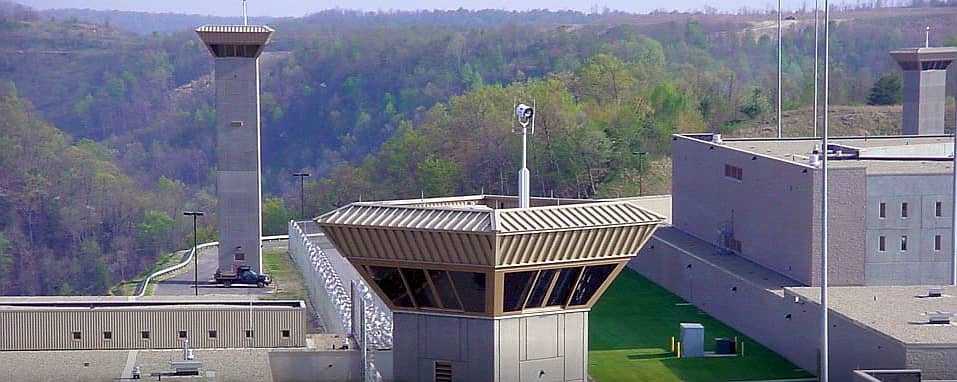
x,y
382,105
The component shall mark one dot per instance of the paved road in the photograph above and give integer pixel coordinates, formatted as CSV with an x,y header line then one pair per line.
x,y
182,283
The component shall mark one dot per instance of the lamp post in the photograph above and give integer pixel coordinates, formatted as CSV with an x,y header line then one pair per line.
x,y
195,214
641,170
302,199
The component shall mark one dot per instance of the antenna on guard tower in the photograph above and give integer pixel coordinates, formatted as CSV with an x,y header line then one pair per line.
x,y
245,21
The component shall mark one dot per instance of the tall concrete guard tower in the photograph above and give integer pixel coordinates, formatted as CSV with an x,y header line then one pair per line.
x,y
483,291
236,49
925,84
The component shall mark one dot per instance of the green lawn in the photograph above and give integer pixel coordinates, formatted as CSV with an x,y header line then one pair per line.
x,y
285,277
630,332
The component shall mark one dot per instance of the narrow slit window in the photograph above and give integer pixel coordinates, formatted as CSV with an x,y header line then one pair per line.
x,y
882,210
904,243
937,243
939,209
904,210
882,243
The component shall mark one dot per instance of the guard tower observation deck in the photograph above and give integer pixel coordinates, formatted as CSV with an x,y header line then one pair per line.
x,y
236,50
487,291
924,91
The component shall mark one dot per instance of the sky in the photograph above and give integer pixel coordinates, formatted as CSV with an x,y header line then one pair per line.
x,y
278,8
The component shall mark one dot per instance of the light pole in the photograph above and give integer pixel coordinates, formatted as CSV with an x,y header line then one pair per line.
x,y
302,199
823,374
641,170
195,214
780,133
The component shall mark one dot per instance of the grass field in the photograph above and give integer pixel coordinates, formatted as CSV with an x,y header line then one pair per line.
x,y
630,332
288,280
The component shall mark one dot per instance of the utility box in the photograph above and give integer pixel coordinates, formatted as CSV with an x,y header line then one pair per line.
x,y
692,340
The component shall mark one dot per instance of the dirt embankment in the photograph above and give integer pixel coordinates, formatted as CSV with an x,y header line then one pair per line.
x,y
843,121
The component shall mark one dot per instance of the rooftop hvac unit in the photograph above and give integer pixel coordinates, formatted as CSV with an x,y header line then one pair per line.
x,y
716,138
939,317
935,292
813,160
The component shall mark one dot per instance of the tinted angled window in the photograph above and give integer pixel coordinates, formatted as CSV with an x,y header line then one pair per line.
x,y
563,286
544,280
390,281
517,285
445,289
229,50
419,286
591,280
471,288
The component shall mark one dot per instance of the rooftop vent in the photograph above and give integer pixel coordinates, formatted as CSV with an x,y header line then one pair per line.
x,y
716,138
937,317
814,160
935,292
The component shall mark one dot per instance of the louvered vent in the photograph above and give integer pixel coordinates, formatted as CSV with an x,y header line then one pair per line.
x,y
443,371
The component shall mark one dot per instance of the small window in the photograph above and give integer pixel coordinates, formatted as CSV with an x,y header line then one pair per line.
x,y
250,334
390,281
443,371
937,242
77,336
593,278
107,335
213,334
563,286
240,256
939,209
882,210
284,333
904,210
419,286
145,335
904,243
882,243
182,334
733,172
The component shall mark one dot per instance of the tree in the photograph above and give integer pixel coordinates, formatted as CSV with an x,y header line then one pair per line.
x,y
276,216
886,91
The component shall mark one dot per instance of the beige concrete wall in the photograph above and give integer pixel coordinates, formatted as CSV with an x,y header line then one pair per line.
x,y
935,362
219,365
52,329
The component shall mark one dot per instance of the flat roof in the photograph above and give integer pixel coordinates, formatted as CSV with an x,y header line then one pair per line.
x,y
142,303
896,311
883,155
740,267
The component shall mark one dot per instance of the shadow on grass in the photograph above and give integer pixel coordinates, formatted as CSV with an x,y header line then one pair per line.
x,y
649,356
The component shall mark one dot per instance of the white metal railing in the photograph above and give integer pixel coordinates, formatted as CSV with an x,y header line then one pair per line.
x,y
141,289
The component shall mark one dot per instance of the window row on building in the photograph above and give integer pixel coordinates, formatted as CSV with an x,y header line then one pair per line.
x,y
882,243
882,210
733,172
182,334
431,288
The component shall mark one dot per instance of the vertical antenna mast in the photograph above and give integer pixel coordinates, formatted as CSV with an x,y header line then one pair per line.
x,y
927,37
245,20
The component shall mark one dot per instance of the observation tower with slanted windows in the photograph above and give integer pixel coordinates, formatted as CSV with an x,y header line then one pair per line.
x,y
483,291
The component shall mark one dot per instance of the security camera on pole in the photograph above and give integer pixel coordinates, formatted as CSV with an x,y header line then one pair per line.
x,y
526,117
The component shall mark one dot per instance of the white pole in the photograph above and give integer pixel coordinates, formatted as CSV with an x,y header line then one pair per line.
x,y
927,37
779,68
245,21
816,44
823,377
953,220
523,174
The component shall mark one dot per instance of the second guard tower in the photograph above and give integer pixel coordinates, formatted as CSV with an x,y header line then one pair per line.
x,y
924,88
483,291
236,49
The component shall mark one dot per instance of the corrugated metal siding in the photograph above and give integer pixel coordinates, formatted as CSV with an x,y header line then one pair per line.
x,y
565,246
52,329
412,245
408,217
572,217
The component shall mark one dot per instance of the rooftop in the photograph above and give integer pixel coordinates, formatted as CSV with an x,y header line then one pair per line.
x,y
896,311
926,154
141,303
